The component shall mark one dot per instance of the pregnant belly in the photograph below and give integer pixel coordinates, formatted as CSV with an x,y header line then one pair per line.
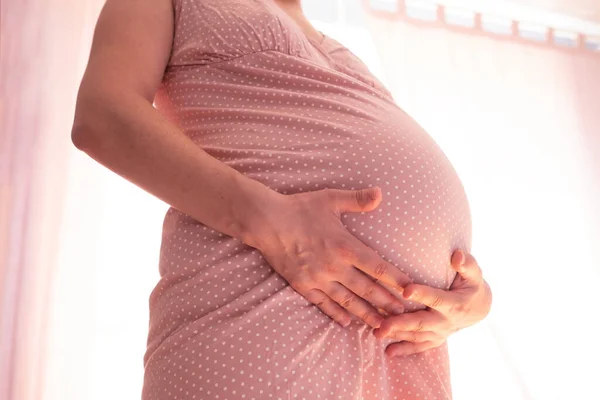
x,y
423,217
424,214
319,129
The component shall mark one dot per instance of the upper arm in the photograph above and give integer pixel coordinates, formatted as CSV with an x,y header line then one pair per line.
x,y
130,49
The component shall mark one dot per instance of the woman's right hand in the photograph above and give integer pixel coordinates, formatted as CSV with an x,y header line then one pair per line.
x,y
305,241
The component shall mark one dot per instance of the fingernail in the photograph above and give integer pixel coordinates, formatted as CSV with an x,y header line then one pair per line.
x,y
400,288
378,334
463,258
383,313
377,322
397,310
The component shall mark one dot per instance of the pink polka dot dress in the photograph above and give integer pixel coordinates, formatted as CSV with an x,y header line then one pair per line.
x,y
248,86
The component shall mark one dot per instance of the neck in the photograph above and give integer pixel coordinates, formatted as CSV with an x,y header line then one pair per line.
x,y
293,6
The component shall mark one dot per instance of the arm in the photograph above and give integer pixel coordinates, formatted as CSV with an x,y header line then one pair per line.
x,y
301,236
116,124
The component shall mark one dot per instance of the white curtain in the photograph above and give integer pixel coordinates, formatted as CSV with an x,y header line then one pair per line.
x,y
44,46
519,123
69,329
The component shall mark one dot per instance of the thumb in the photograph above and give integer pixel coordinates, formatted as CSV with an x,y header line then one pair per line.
x,y
467,267
355,200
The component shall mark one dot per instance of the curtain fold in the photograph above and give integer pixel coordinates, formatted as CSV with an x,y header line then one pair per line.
x,y
20,80
44,49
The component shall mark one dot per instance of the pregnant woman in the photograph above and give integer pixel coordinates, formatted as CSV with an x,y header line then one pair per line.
x,y
316,231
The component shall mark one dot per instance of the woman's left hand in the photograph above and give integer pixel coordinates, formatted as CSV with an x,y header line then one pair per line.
x,y
467,302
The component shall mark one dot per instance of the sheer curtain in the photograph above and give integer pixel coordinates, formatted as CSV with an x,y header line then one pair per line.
x,y
60,218
520,123
43,51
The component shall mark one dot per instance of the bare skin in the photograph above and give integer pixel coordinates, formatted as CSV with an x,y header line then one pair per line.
x,y
116,124
294,9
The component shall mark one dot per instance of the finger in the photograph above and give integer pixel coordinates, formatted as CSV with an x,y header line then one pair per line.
x,y
418,321
353,304
466,265
408,348
328,306
438,299
372,291
414,336
368,261
354,200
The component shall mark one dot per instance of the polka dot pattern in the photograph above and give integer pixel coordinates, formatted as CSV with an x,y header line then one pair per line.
x,y
296,114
